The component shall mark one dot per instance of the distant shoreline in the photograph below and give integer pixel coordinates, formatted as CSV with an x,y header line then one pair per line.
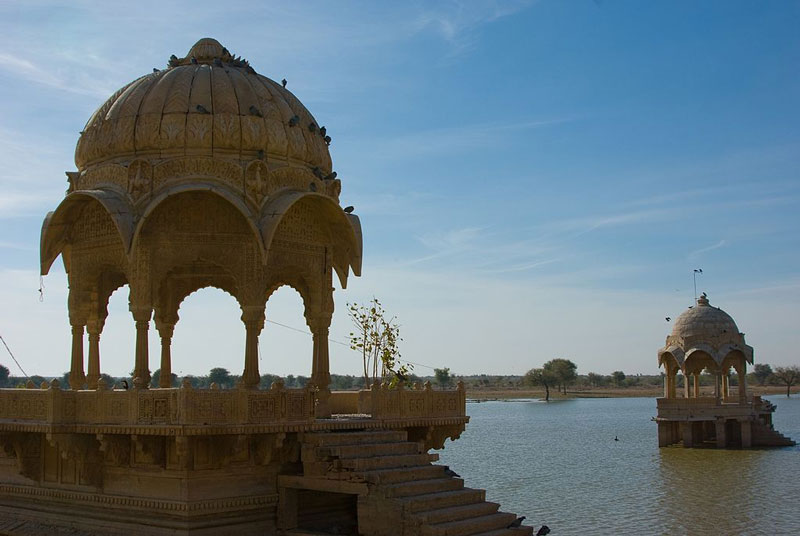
x,y
486,395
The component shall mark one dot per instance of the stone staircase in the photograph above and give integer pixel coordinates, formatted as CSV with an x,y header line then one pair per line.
x,y
407,494
767,436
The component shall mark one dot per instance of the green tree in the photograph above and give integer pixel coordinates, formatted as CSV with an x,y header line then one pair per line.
x,y
595,380
762,372
221,377
563,370
787,375
442,376
377,339
4,374
267,380
541,376
618,377
155,379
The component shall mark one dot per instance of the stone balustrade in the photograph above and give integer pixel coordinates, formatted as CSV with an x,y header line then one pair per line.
x,y
183,406
381,402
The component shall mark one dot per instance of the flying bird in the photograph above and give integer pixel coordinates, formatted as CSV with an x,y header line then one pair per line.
x,y
516,523
202,109
543,531
667,318
255,111
283,82
348,210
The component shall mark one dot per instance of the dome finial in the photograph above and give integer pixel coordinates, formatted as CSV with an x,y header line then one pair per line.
x,y
703,299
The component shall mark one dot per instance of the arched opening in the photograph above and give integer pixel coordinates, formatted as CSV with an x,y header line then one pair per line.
x,y
118,337
285,343
697,362
208,335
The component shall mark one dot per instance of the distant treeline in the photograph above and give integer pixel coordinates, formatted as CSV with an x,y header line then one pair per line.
x,y
762,374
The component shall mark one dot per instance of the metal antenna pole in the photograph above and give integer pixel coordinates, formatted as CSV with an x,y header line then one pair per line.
x,y
694,278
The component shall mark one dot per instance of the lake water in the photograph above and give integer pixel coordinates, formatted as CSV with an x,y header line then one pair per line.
x,y
557,463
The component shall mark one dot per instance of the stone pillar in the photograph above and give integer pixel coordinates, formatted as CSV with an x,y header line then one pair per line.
x,y
720,432
141,368
320,368
696,378
686,388
717,391
76,375
94,327
742,384
165,331
725,386
688,434
747,433
253,318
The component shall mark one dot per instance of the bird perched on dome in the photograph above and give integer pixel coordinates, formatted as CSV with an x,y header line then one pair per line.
x,y
283,82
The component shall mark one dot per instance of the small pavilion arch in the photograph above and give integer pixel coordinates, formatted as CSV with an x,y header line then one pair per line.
x,y
697,360
173,288
672,360
737,360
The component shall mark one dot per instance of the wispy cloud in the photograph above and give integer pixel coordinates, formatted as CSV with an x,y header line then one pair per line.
x,y
454,139
696,253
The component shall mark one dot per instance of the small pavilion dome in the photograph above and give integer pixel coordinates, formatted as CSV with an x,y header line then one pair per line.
x,y
706,329
704,322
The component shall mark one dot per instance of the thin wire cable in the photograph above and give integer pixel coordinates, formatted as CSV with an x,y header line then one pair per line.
x,y
343,343
12,357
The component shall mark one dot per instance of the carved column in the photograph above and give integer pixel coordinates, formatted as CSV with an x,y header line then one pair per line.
x,y
320,364
696,384
94,327
141,368
77,378
717,382
165,330
686,377
725,386
253,318
740,372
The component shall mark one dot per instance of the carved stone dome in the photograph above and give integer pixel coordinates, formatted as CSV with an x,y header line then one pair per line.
x,y
208,103
705,322
707,329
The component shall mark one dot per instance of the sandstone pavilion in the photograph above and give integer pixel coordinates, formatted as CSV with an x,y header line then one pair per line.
x,y
705,338
208,174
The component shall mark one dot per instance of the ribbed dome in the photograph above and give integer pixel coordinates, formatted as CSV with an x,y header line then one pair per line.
x,y
704,322
209,103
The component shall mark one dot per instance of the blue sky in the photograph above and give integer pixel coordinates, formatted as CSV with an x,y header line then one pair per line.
x,y
534,179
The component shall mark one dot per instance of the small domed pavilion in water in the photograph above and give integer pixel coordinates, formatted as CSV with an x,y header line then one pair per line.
x,y
208,174
706,339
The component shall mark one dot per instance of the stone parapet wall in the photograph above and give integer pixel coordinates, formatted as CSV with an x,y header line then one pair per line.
x,y
157,406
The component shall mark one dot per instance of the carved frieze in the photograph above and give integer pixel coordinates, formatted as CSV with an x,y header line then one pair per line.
x,y
140,177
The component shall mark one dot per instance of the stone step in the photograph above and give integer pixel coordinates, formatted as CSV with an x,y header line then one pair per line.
x,y
368,449
455,513
386,462
403,474
443,499
355,438
423,487
467,527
